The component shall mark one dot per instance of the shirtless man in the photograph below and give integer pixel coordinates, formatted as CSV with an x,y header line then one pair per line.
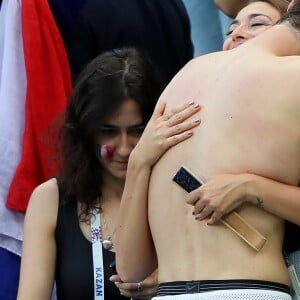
x,y
242,131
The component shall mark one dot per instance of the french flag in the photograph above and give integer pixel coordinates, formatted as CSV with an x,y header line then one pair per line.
x,y
48,87
12,117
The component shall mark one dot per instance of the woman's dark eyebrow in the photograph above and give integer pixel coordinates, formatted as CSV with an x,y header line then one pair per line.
x,y
251,16
109,126
137,125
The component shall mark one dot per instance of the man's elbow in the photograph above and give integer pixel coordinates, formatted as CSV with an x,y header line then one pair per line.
x,y
230,7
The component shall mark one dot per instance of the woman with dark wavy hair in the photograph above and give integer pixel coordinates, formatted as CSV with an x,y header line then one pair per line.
x,y
71,221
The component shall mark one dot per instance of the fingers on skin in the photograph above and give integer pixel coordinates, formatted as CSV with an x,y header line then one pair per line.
x,y
127,289
182,106
180,129
159,109
165,132
183,112
175,139
208,212
115,278
215,217
192,199
126,286
131,290
194,196
131,287
148,287
203,213
202,210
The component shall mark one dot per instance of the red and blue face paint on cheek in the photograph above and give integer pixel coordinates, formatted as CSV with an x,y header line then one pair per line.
x,y
105,152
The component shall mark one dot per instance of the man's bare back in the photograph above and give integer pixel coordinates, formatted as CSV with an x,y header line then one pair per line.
x,y
250,126
250,112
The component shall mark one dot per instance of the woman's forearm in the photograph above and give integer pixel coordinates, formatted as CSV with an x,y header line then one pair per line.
x,y
230,7
134,228
278,198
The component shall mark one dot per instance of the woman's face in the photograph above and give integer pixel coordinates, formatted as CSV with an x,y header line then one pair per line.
x,y
251,21
120,132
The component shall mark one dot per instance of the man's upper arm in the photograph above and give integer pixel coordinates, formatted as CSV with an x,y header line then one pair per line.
x,y
230,7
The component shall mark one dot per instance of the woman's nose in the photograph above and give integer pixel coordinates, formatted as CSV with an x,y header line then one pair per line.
x,y
239,34
125,145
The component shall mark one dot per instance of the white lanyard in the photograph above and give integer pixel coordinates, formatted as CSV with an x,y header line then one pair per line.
x,y
96,234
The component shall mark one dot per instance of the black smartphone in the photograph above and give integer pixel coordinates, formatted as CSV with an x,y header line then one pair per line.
x,y
186,180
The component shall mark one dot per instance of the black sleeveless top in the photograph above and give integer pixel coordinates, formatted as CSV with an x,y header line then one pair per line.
x,y
74,263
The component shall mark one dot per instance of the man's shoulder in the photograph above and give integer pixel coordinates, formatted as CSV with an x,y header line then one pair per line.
x,y
292,63
287,67
204,63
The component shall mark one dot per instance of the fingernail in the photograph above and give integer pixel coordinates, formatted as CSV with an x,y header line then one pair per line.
x,y
196,105
197,121
191,102
189,133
